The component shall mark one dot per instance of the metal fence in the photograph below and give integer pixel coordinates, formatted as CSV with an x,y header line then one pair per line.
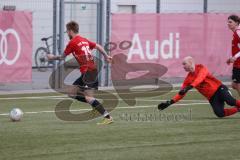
x,y
175,6
95,22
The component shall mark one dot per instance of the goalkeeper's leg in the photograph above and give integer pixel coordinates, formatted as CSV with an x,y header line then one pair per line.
x,y
217,103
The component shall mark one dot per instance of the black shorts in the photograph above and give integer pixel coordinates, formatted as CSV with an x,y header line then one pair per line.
x,y
236,75
88,80
218,100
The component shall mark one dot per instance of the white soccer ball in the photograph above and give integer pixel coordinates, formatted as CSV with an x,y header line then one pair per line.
x,y
16,114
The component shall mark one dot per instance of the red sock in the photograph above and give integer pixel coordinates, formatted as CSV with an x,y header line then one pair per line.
x,y
238,103
230,111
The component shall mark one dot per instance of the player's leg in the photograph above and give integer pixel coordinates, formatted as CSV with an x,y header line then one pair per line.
x,y
91,82
217,103
76,91
236,79
89,95
228,98
96,105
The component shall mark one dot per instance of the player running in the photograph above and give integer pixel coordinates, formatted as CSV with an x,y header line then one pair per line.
x,y
84,86
210,87
233,24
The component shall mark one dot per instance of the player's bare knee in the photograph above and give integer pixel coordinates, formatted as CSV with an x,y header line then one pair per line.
x,y
89,99
72,91
71,94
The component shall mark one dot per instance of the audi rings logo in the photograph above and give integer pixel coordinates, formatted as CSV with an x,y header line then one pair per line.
x,y
4,47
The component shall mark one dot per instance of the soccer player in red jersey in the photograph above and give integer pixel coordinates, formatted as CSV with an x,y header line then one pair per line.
x,y
210,87
233,24
81,48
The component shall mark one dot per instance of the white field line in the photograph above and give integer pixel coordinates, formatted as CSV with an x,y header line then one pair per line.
x,y
114,93
39,97
127,107
64,96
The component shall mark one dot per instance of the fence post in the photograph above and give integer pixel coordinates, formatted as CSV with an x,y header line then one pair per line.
x,y
55,10
108,19
158,2
61,41
100,37
205,6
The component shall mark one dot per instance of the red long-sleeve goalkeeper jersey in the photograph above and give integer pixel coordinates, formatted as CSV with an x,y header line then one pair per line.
x,y
202,80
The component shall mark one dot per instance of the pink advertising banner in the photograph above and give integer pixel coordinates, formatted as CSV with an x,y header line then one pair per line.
x,y
165,39
16,40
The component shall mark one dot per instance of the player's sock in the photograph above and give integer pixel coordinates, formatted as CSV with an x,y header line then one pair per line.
x,y
98,106
81,99
230,111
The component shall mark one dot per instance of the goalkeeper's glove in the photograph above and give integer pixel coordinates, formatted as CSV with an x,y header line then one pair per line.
x,y
164,105
185,90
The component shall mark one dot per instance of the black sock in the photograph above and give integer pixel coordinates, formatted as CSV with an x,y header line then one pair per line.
x,y
81,99
98,106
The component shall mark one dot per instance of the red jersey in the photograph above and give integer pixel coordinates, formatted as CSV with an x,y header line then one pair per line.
x,y
202,80
81,49
236,46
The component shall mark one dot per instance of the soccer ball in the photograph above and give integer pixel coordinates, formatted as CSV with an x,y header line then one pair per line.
x,y
16,114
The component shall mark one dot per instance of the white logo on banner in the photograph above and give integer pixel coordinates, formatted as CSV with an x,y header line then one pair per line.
x,y
166,49
4,46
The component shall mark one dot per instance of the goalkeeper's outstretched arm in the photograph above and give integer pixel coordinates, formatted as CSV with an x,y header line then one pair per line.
x,y
175,99
184,89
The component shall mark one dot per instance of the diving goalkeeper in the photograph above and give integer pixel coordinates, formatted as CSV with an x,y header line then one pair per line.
x,y
210,87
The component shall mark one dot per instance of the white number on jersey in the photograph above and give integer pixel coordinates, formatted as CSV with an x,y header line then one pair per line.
x,y
87,52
